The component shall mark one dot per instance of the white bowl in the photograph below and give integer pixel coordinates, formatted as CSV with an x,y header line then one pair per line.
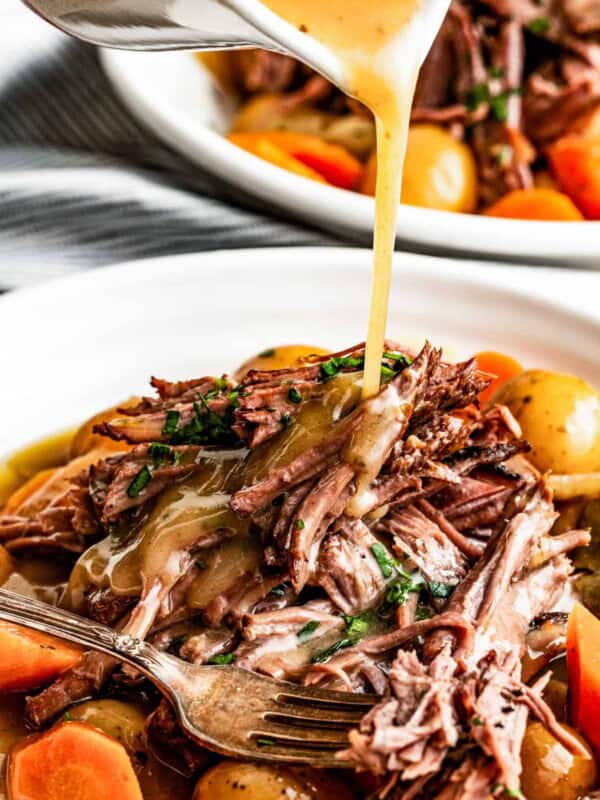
x,y
79,344
175,96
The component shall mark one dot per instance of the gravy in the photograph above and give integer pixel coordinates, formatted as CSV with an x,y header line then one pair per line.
x,y
367,39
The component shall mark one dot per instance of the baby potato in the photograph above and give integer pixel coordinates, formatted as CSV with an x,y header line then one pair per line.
x,y
559,415
286,355
231,780
550,771
439,171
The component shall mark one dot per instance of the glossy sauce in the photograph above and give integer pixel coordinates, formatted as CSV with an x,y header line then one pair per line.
x,y
368,39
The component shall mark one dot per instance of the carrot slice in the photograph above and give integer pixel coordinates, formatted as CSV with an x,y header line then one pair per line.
x,y
500,365
29,659
29,488
331,161
575,161
74,761
259,145
539,204
583,661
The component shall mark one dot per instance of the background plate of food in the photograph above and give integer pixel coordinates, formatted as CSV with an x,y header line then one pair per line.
x,y
509,145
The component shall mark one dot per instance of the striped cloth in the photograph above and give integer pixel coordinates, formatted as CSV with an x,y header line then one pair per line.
x,y
83,185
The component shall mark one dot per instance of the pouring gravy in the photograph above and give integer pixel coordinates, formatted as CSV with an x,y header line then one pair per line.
x,y
366,38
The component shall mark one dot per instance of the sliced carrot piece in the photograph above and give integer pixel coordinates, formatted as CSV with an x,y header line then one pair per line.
x,y
575,161
331,161
498,364
74,761
539,204
259,145
29,659
29,488
583,661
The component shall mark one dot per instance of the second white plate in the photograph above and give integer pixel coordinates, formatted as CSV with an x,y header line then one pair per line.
x,y
177,98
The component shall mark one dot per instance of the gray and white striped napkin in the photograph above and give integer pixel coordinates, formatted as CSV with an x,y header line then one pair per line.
x,y
83,185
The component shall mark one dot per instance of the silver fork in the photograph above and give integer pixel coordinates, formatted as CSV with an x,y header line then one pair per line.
x,y
224,708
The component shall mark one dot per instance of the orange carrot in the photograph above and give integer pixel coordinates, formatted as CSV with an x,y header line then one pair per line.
x,y
498,364
262,147
575,161
29,659
29,488
74,761
583,661
539,204
331,161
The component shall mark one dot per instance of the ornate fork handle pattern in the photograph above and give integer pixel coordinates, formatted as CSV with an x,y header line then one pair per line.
x,y
84,632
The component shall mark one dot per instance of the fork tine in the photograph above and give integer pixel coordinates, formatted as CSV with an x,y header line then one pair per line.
x,y
323,699
313,718
300,737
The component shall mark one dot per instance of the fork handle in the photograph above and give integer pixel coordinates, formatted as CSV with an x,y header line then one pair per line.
x,y
85,632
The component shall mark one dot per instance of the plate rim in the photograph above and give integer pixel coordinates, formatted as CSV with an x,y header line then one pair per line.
x,y
437,231
477,274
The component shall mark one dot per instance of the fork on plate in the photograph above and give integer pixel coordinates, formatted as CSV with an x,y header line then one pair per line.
x,y
224,708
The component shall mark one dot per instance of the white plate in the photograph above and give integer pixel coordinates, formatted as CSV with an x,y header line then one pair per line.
x,y
73,346
176,97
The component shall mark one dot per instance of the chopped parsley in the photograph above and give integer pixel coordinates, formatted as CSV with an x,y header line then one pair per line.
x,y
387,563
222,659
539,26
477,722
505,790
162,452
496,72
356,628
300,524
138,484
265,742
325,655
330,368
294,396
286,420
205,427
478,95
423,612
307,631
67,716
268,353
437,589
171,423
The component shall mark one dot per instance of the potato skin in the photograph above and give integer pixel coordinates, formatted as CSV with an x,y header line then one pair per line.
x,y
238,780
439,171
550,771
286,355
559,415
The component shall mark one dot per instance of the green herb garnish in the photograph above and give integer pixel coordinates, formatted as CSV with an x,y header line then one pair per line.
x,y
307,631
478,95
171,423
357,627
477,722
294,396
496,72
279,590
141,480
222,659
539,25
300,524
423,612
268,353
437,589
386,561
265,742
325,655
286,420
160,452
67,716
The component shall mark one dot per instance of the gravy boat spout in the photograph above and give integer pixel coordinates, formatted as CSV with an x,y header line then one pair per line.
x,y
186,25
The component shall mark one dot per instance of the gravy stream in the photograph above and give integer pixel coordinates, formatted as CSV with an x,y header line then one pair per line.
x,y
367,39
